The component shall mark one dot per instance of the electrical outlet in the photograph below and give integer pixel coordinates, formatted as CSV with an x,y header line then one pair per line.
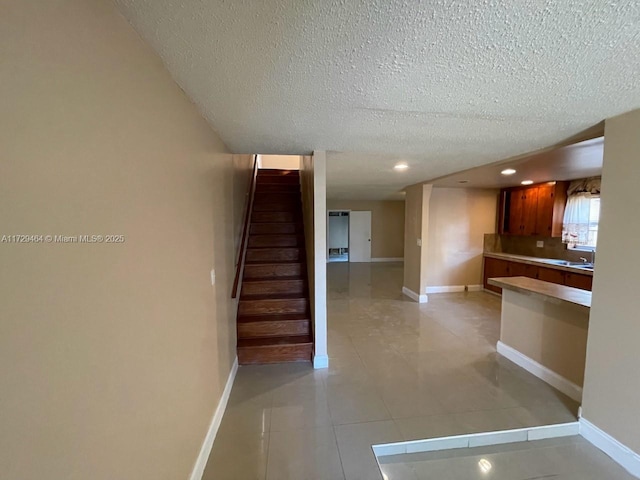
x,y
419,242
213,277
540,244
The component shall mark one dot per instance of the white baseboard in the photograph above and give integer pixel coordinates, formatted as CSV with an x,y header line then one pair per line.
x,y
207,444
622,454
472,440
320,361
552,378
414,296
388,259
454,288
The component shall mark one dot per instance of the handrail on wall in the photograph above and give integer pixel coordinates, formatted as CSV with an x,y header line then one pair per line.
x,y
245,231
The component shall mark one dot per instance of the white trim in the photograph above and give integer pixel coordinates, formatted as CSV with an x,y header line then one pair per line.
x,y
622,454
414,296
552,378
207,444
320,361
388,259
472,440
454,288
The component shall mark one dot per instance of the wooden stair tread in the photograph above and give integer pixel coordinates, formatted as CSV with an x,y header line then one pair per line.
x,y
279,224
274,262
270,341
274,248
277,234
273,318
282,317
273,279
274,296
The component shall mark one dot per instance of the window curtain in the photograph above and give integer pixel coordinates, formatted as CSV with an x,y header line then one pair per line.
x,y
577,213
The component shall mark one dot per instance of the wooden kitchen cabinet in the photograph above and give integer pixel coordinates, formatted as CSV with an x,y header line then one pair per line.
x,y
544,211
494,267
585,282
535,210
517,269
551,275
522,207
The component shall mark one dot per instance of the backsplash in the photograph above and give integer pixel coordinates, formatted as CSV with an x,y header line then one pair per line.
x,y
519,245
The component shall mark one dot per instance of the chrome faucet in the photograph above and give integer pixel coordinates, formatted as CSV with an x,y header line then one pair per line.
x,y
593,258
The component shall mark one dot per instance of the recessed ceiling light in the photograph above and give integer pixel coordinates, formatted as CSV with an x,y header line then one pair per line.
x,y
551,183
401,166
508,171
526,182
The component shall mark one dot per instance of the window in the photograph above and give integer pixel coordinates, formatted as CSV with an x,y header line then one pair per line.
x,y
594,218
581,218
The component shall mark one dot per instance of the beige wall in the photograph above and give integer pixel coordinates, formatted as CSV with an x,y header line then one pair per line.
x,y
415,218
612,383
458,220
112,356
281,162
387,224
551,332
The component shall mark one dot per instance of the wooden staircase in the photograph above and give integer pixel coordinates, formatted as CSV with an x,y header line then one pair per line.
x,y
274,323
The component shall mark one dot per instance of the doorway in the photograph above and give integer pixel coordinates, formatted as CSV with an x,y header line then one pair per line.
x,y
348,236
338,236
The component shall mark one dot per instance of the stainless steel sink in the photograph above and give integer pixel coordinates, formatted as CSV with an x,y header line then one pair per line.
x,y
567,263
557,262
584,266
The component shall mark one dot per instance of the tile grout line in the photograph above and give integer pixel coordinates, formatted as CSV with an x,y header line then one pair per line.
x,y
335,436
266,463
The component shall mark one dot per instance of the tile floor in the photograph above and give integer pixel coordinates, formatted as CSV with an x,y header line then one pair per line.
x,y
398,370
568,458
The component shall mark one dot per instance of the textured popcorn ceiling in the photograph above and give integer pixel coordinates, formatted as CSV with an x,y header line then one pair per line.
x,y
443,85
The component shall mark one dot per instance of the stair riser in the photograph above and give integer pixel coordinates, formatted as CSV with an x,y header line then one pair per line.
x,y
273,287
272,306
274,329
277,207
274,354
269,271
275,217
279,179
274,241
279,197
275,228
274,255
277,171
277,188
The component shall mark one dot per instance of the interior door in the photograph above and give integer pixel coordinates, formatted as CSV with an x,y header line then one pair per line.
x,y
360,237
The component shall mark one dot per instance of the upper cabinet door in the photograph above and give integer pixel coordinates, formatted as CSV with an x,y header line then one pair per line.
x,y
544,212
535,210
529,211
516,207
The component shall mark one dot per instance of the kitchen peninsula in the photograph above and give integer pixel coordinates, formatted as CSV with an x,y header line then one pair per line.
x,y
544,329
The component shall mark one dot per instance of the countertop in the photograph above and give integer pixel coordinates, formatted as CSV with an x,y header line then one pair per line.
x,y
546,289
543,262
